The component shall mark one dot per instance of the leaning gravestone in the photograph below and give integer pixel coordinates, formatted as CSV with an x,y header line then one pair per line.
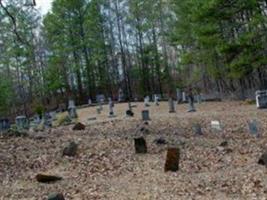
x,y
22,122
57,196
140,145
261,99
72,110
4,124
171,106
253,128
172,160
145,115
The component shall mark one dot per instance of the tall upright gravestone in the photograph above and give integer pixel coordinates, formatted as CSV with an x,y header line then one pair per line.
x,y
140,145
72,110
171,106
172,160
145,115
22,122
261,99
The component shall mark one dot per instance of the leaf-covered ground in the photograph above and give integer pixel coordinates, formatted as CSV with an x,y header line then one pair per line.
x,y
107,167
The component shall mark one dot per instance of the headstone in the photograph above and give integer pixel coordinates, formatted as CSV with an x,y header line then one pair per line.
x,y
156,100
253,128
261,99
199,98
4,124
111,105
146,101
89,102
100,98
184,97
145,115
57,196
98,110
72,110
22,122
171,106
47,120
172,160
71,149
216,126
197,129
140,145
44,178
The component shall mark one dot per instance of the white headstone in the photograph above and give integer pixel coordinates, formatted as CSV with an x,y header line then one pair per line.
x,y
184,97
216,126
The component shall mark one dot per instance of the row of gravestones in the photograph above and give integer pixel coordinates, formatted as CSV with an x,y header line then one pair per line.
x,y
216,126
23,123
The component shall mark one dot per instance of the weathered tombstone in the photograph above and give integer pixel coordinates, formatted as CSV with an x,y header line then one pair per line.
x,y
4,124
89,102
171,106
261,99
22,122
146,101
253,128
197,129
140,145
111,105
172,160
184,97
216,126
145,115
72,110
156,100
70,150
199,98
57,196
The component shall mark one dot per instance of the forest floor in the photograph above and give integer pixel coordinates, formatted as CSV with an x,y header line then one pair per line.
x,y
107,167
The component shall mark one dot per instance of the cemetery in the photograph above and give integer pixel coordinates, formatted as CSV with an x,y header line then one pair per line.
x,y
133,100
216,153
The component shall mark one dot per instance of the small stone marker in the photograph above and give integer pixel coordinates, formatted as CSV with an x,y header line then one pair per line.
x,y
43,178
70,150
145,115
263,159
57,196
140,145
172,160
253,128
78,127
197,129
216,126
171,106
